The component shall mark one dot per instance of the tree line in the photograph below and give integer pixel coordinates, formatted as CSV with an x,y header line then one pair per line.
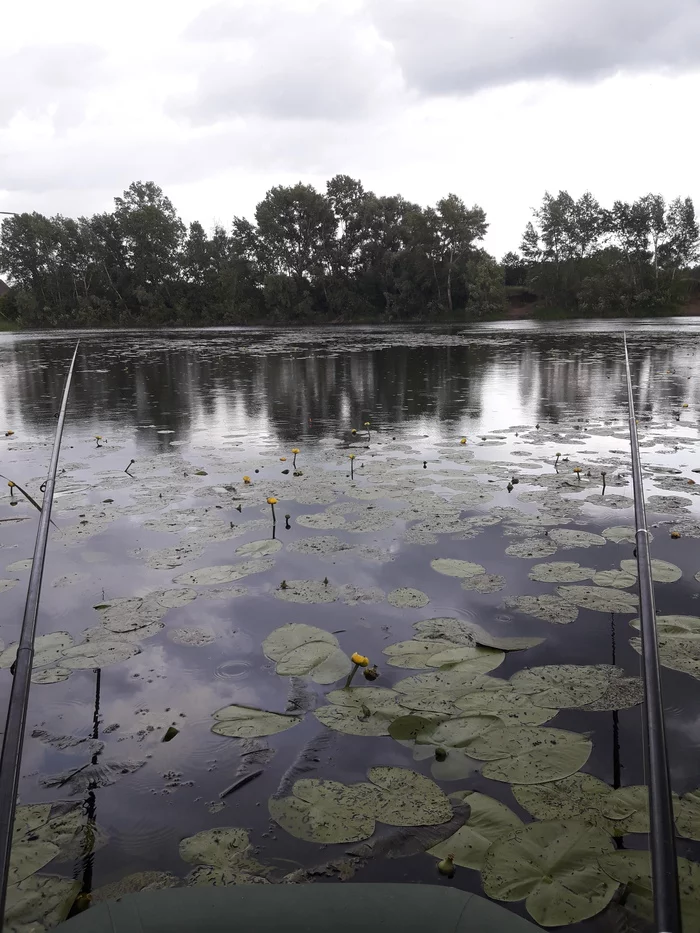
x,y
343,255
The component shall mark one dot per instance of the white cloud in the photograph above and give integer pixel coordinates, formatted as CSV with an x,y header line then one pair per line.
x,y
218,102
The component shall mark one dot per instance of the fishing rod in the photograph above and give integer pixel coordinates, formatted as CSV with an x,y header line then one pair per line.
x,y
662,843
11,759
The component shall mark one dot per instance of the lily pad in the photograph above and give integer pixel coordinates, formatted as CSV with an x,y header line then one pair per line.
x,y
484,583
360,710
406,798
547,607
258,549
554,867
192,637
469,633
244,722
621,534
456,568
326,811
173,598
508,704
668,503
532,548
304,649
618,579
413,654
579,797
134,883
558,686
661,570
100,653
560,571
48,649
688,815
475,659
407,598
28,857
217,847
39,899
633,869
225,573
572,538
600,598
488,821
306,591
530,754
7,585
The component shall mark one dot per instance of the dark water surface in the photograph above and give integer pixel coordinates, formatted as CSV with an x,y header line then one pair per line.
x,y
230,402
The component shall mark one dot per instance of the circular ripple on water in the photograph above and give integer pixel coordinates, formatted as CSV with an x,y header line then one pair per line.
x,y
233,670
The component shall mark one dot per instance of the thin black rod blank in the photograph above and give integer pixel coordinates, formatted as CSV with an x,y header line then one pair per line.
x,y
662,830
13,740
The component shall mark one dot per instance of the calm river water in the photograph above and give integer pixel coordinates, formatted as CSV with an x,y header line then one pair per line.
x,y
198,410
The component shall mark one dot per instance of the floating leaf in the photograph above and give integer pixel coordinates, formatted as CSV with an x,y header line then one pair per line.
x,y
488,821
360,710
633,869
456,732
530,754
413,654
134,883
600,598
621,534
572,538
508,704
326,811
578,797
550,608
48,649
291,636
622,692
306,591
475,659
619,579
100,653
554,867
218,847
668,503
192,637
28,857
629,806
246,722
225,573
560,571
688,815
661,570
259,548
406,798
50,675
304,649
561,685
173,598
103,774
532,548
484,583
456,568
7,585
40,899
469,633
407,598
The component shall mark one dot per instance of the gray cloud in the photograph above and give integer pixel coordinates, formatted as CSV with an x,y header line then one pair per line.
x,y
266,60
450,47
50,81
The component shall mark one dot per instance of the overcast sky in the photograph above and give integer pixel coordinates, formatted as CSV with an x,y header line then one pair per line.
x,y
495,100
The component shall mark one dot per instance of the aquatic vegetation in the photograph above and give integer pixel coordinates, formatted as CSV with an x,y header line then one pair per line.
x,y
295,451
300,649
352,466
488,821
272,502
245,722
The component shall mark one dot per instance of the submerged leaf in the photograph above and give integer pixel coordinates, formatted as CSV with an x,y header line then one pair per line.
x,y
554,866
246,722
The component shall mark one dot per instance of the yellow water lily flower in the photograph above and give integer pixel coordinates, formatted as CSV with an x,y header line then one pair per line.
x,y
359,659
352,456
272,501
10,433
295,450
246,480
283,459
463,441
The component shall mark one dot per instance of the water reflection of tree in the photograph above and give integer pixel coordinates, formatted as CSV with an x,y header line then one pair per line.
x,y
214,385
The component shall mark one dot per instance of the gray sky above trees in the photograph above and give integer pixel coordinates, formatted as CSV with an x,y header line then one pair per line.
x,y
495,100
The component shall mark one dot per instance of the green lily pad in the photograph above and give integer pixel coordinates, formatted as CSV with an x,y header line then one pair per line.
x,y
558,686
618,579
600,598
173,598
476,659
620,534
688,815
192,637
629,806
291,636
456,568
661,570
225,573
218,847
578,797
547,607
622,692
407,598
413,654
306,591
406,798
677,651
573,538
532,548
530,754
360,710
488,821
456,632
304,649
48,649
39,899
508,704
258,549
668,503
560,571
554,867
326,811
133,884
674,625
456,732
484,583
100,653
28,857
633,869
244,722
